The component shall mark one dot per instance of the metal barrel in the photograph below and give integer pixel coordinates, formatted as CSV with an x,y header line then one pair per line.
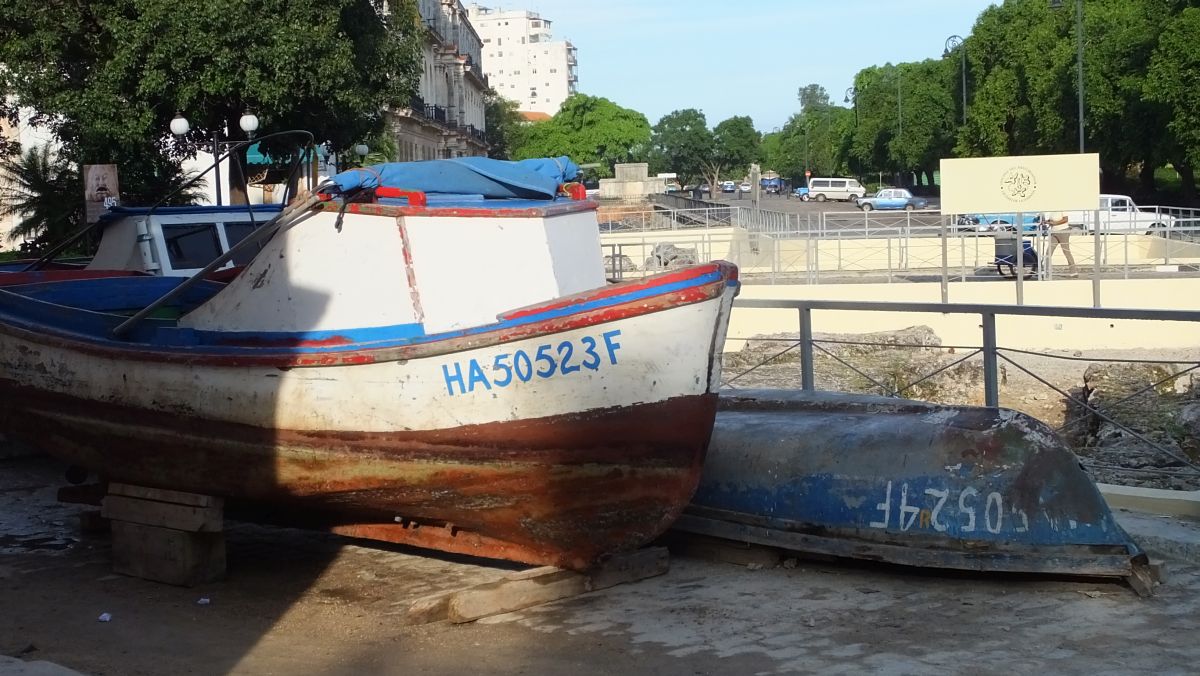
x,y
905,482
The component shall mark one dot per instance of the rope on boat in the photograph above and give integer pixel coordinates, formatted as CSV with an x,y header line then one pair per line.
x,y
289,216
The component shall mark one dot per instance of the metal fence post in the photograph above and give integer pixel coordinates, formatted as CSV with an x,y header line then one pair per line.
x,y
991,384
806,350
1096,263
945,264
1019,258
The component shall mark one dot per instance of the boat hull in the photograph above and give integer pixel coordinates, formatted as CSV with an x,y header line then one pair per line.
x,y
906,482
478,436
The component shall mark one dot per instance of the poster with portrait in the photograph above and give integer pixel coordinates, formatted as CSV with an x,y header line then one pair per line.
x,y
101,191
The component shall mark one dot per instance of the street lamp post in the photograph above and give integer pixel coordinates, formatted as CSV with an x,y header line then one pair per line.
x,y
952,43
851,95
248,123
1057,4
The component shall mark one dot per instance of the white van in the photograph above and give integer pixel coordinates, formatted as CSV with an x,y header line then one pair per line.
x,y
821,189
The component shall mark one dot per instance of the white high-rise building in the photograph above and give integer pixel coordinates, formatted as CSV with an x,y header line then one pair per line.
x,y
521,59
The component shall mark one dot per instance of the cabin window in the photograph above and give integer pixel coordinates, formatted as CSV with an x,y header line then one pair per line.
x,y
191,245
236,232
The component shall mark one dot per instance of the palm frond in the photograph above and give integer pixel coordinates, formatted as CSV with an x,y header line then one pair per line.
x,y
44,191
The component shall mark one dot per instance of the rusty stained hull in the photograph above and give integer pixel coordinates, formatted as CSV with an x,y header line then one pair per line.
x,y
560,491
904,482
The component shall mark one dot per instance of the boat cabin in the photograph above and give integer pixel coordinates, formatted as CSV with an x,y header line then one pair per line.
x,y
176,241
454,263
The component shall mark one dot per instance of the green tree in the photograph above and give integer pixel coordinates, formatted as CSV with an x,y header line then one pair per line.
x,y
735,145
812,96
1174,80
43,190
589,129
878,102
681,142
817,139
505,126
107,76
927,90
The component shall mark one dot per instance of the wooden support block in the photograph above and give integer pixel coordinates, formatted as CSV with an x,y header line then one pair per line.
x,y
542,585
167,555
164,495
631,567
1158,570
166,536
164,514
426,609
507,595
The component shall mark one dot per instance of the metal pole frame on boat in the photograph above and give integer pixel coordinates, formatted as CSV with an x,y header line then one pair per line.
x,y
233,148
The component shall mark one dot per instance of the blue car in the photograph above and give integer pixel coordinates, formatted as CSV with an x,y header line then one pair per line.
x,y
892,198
991,222
801,192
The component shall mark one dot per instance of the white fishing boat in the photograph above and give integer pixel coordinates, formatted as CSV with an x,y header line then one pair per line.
x,y
446,370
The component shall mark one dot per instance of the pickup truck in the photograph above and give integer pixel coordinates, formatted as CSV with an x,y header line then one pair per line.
x,y
1118,213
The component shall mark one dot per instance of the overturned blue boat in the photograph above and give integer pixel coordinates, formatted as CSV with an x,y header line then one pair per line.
x,y
906,482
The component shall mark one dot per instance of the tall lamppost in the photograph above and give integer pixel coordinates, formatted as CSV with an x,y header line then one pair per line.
x,y
850,96
952,43
248,123
1057,4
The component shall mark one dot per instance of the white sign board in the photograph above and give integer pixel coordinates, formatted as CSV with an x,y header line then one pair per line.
x,y
1028,184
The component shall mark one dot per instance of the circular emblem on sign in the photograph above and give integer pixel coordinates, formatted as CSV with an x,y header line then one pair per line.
x,y
1018,184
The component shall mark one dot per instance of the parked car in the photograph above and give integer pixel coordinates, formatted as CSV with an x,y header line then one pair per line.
x,y
892,198
746,186
1118,213
822,189
993,222
728,186
801,192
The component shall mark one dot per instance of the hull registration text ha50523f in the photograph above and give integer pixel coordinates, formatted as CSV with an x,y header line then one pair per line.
x,y
548,361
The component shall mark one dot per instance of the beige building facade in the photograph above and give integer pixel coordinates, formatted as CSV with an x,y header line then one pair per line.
x,y
523,61
446,117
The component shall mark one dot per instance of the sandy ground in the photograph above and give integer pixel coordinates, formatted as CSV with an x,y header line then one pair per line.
x,y
299,602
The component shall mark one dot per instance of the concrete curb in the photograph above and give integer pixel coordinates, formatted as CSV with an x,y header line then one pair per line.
x,y
1152,500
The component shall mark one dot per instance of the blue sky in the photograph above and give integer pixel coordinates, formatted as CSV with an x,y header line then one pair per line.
x,y
742,58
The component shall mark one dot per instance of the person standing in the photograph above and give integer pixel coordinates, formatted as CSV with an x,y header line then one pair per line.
x,y
1060,235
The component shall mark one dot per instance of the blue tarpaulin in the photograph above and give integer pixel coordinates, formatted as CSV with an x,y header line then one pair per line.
x,y
493,179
